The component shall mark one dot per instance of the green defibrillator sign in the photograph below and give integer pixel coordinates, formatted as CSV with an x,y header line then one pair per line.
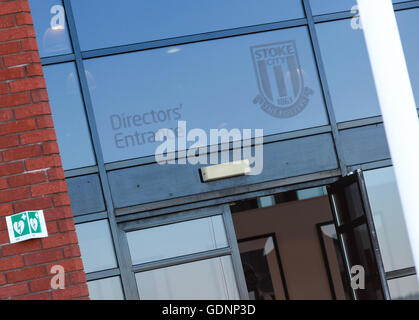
x,y
26,225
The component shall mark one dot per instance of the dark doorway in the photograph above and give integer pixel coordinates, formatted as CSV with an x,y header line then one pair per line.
x,y
288,250
318,243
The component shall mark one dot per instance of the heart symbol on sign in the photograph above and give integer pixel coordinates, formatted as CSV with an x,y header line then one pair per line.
x,y
34,223
19,226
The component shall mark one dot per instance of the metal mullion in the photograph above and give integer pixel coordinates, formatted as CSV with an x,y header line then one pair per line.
x,y
182,40
58,59
372,165
80,171
362,122
266,139
325,87
406,5
170,218
170,262
126,275
97,275
90,217
214,198
235,254
334,16
400,273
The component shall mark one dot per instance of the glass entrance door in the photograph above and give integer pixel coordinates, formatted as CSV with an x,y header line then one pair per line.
x,y
357,236
318,243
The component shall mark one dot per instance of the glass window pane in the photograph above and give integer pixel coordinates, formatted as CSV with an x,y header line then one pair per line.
x,y
96,246
211,279
388,218
211,85
329,6
406,288
67,110
139,21
106,289
348,69
177,239
408,22
85,194
50,27
262,269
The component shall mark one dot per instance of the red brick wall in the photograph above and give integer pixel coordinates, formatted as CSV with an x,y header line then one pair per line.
x,y
31,174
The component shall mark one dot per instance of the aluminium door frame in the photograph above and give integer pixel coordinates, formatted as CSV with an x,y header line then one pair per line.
x,y
183,216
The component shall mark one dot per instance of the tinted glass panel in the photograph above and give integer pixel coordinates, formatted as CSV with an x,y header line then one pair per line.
x,y
348,68
388,218
329,6
96,246
211,279
138,21
50,27
176,239
85,194
211,85
406,288
69,116
408,22
106,289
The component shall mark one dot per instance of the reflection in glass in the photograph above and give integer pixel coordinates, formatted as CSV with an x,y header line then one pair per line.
x,y
70,122
211,279
388,218
408,22
96,246
348,69
106,289
262,268
406,288
311,193
50,27
220,84
339,282
138,21
177,239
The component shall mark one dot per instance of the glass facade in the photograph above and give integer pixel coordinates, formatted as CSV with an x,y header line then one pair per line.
x,y
330,6
271,67
406,288
176,239
138,21
68,110
211,279
50,27
200,86
388,218
348,68
106,289
94,235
